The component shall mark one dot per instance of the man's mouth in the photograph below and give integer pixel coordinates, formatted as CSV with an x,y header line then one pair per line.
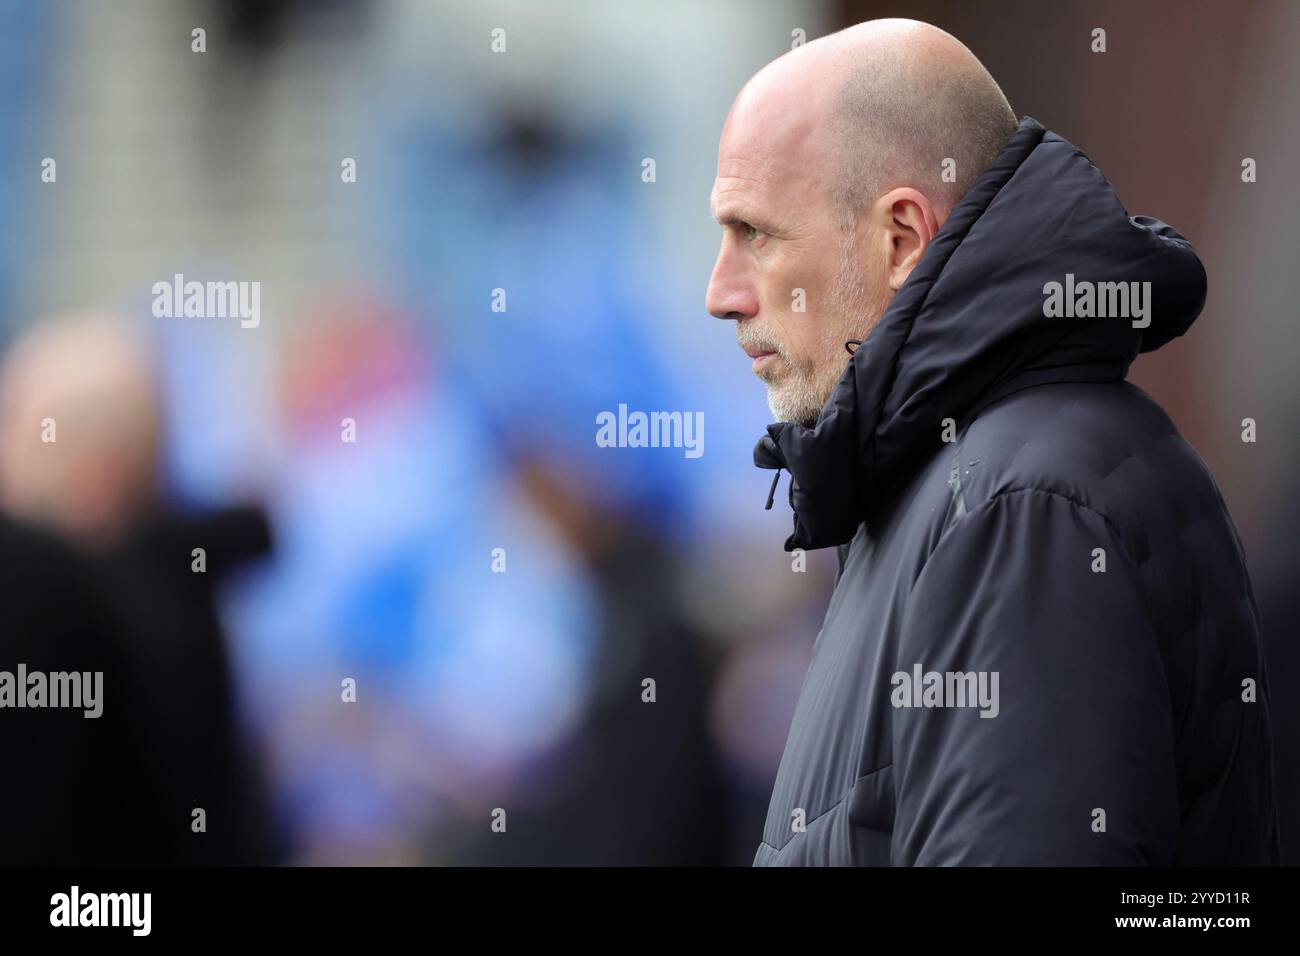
x,y
760,354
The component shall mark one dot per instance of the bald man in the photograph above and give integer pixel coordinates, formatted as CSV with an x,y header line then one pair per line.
x,y
81,430
1042,647
88,467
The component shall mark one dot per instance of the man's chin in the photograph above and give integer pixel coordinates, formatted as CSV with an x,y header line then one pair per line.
x,y
784,409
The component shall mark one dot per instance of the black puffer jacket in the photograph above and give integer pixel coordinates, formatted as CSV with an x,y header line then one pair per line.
x,y
1042,647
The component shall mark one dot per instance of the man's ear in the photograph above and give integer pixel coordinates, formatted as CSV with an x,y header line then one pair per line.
x,y
910,223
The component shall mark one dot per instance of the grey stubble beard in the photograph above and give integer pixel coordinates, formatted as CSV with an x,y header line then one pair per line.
x,y
805,389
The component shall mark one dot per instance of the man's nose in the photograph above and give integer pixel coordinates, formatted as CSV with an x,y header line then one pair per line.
x,y
731,292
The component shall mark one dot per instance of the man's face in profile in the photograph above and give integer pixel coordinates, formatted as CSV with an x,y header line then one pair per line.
x,y
792,271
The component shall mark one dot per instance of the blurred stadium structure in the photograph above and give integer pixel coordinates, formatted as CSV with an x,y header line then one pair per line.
x,y
522,171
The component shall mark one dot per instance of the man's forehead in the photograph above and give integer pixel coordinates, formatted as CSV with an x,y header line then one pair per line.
x,y
739,187
749,185
770,145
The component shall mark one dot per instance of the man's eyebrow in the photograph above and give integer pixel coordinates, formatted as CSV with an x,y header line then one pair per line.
x,y
727,216
730,215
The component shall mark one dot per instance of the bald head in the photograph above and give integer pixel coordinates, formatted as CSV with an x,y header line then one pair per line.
x,y
838,163
882,104
80,424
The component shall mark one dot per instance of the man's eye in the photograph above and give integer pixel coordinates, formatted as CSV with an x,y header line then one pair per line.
x,y
750,232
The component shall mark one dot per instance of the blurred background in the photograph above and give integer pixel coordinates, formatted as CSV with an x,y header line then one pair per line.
x,y
494,585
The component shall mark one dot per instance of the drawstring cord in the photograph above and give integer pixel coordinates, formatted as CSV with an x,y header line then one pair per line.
x,y
767,455
771,492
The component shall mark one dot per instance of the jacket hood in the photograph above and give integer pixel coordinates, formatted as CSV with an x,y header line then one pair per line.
x,y
969,326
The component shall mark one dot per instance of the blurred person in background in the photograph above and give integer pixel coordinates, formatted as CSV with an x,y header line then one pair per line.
x,y
1063,543
80,434
70,794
